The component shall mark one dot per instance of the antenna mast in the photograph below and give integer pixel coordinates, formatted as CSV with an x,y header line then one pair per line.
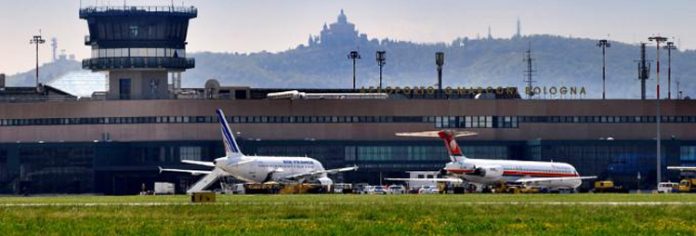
x,y
529,72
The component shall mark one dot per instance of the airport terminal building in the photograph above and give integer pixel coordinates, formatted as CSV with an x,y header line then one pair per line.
x,y
113,147
52,142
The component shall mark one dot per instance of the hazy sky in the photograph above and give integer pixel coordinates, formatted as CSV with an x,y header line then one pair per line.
x,y
276,25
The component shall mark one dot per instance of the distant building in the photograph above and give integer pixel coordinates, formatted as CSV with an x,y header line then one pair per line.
x,y
339,33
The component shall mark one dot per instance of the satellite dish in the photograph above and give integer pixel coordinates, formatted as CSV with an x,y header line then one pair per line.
x,y
212,88
212,83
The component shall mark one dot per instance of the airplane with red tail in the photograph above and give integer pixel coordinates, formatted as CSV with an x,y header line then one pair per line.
x,y
553,176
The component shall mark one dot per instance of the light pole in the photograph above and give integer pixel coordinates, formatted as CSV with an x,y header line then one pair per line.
x,y
439,61
354,55
657,40
679,92
604,44
37,39
381,61
670,46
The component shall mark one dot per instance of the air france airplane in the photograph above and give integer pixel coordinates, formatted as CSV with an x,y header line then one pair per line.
x,y
549,175
257,169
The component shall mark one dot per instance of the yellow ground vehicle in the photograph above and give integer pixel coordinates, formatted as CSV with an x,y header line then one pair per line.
x,y
687,185
269,188
608,186
514,189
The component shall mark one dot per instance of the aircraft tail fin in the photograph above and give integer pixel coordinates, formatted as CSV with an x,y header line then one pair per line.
x,y
231,147
455,152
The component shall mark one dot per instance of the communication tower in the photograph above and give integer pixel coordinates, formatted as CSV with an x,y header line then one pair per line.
x,y
529,72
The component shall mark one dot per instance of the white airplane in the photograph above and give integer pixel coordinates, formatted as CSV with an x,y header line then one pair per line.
x,y
549,175
257,169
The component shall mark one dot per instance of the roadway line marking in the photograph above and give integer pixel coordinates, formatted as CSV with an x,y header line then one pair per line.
x,y
156,204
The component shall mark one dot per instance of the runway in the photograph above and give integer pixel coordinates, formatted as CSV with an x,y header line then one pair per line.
x,y
516,203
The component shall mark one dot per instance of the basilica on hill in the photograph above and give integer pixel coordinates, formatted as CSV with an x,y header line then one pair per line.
x,y
339,33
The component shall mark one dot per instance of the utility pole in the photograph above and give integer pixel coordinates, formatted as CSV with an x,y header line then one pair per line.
x,y
36,40
604,44
381,61
657,40
354,55
670,46
439,61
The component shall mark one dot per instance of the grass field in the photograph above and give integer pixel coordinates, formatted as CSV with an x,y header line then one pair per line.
x,y
598,214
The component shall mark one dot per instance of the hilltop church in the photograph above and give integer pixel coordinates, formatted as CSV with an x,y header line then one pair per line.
x,y
339,33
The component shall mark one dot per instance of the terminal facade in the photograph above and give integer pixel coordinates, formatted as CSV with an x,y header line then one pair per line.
x,y
114,147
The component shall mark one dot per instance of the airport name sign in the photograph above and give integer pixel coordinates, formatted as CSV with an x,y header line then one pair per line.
x,y
430,90
422,90
554,90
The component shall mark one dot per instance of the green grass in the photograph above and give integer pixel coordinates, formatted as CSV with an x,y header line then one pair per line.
x,y
352,215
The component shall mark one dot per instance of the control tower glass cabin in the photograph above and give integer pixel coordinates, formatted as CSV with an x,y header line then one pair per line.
x,y
138,46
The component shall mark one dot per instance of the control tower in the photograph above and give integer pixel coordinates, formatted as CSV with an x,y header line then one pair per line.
x,y
138,46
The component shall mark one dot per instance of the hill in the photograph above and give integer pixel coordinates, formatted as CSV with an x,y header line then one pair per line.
x,y
559,61
47,72
323,63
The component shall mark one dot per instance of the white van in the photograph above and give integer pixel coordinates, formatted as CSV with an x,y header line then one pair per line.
x,y
666,187
162,188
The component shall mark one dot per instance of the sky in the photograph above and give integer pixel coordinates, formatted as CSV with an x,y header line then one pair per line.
x,y
277,25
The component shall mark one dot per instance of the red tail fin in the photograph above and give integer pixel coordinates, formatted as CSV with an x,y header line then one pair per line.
x,y
450,143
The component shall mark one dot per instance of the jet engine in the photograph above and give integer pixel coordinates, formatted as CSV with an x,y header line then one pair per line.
x,y
325,181
489,172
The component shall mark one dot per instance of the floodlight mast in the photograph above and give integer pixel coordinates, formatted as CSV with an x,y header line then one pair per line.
x,y
658,40
439,61
37,40
670,46
604,44
354,55
381,61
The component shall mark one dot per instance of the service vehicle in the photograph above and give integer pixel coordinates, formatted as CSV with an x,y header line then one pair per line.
x,y
667,187
428,190
687,185
397,189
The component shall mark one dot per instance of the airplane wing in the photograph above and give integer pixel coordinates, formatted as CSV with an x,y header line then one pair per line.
x,y
549,179
450,180
192,172
339,170
435,134
200,163
682,168
315,173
